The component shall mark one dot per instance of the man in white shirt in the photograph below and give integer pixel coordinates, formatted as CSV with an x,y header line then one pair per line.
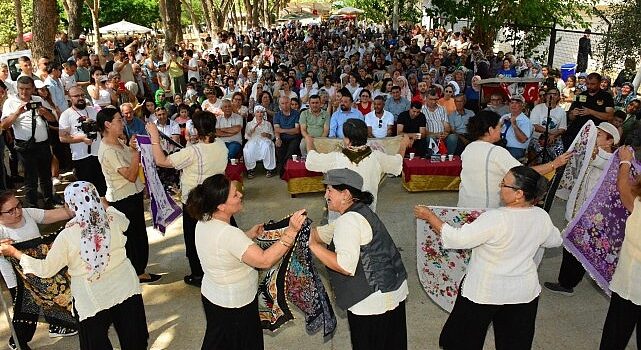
x,y
192,67
556,126
78,128
228,129
379,121
168,127
25,114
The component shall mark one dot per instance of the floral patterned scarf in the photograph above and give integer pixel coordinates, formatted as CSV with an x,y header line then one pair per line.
x,y
596,233
294,279
90,215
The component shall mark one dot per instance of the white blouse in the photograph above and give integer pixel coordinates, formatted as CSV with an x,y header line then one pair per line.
x,y
504,242
484,166
116,284
627,277
31,217
228,281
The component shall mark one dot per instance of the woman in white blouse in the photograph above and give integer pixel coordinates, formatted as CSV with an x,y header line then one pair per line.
x,y
485,164
502,284
104,284
206,157
120,165
229,259
365,266
625,305
18,224
100,96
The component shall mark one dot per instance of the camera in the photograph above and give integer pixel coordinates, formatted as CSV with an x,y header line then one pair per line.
x,y
90,128
34,105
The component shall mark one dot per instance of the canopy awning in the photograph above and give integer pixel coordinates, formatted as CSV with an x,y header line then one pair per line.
x,y
124,27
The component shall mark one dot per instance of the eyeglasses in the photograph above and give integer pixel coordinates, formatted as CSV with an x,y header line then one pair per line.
x,y
13,211
509,186
76,96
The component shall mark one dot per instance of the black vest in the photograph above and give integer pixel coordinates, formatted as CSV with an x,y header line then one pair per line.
x,y
379,267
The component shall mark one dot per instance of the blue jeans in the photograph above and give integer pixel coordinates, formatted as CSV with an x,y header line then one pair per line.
x,y
517,153
451,142
233,149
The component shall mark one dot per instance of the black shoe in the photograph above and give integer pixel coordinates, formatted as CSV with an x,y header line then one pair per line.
x,y
59,331
270,173
152,278
194,280
558,288
251,174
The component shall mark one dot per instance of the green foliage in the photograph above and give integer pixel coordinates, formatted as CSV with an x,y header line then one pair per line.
x,y
624,41
8,25
143,12
381,11
487,17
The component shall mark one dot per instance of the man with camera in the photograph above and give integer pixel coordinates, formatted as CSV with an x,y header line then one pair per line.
x,y
78,128
25,114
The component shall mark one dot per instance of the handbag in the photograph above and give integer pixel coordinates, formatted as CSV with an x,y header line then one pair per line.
x,y
24,146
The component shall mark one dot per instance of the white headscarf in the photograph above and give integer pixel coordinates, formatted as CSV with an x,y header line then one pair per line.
x,y
82,197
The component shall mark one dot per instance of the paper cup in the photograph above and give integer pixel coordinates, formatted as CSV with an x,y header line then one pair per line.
x,y
443,157
295,157
411,155
450,157
234,161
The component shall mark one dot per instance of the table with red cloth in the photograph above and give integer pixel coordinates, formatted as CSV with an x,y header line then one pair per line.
x,y
431,175
300,180
235,173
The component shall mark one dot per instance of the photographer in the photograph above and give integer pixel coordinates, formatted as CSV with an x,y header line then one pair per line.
x,y
25,114
78,128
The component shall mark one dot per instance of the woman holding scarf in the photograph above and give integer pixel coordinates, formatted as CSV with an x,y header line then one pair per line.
x,y
197,161
104,284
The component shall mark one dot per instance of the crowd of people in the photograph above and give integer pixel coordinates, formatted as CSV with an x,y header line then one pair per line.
x,y
264,96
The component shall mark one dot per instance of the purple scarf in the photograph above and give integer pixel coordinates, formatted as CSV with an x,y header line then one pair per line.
x,y
596,233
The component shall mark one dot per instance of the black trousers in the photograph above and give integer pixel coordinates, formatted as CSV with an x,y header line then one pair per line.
x,y
37,169
467,325
89,169
26,328
232,328
285,151
623,317
189,233
384,331
128,319
137,245
571,272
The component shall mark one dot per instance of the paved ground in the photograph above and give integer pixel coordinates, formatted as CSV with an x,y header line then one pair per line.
x,y
176,320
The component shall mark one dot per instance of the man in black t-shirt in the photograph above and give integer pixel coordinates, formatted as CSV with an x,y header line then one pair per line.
x,y
594,104
413,123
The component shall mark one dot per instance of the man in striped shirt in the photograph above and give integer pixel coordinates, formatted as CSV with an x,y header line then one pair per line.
x,y
438,126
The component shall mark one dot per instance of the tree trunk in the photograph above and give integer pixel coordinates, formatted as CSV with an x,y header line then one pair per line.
x,y
73,8
94,9
19,27
194,20
172,23
249,13
44,28
266,18
205,6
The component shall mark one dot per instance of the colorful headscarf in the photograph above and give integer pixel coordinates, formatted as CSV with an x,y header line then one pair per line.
x,y
82,197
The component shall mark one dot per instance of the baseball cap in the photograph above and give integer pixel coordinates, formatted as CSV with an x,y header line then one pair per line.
x,y
82,36
517,98
103,78
39,84
612,130
343,177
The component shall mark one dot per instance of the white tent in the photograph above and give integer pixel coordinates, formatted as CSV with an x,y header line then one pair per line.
x,y
124,27
349,11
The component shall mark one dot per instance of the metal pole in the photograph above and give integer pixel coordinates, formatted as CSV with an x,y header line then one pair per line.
x,y
395,16
552,45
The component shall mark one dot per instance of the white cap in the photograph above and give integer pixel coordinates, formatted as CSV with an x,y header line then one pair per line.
x,y
612,130
82,36
39,83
